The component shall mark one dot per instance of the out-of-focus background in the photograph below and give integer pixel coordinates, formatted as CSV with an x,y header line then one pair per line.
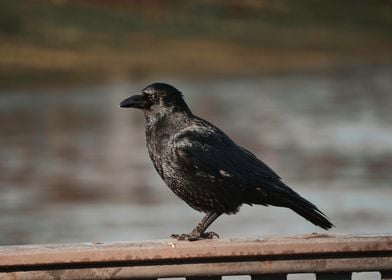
x,y
305,85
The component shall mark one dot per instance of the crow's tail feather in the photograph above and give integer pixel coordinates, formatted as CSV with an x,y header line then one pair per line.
x,y
307,210
283,196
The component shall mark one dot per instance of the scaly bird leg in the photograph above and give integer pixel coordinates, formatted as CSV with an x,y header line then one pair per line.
x,y
199,231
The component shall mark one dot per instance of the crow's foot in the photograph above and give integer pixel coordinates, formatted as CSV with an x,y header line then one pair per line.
x,y
209,235
194,237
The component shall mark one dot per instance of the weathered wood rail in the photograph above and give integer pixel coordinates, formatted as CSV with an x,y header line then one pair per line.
x,y
328,256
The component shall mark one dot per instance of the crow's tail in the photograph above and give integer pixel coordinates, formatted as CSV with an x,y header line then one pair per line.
x,y
284,196
307,210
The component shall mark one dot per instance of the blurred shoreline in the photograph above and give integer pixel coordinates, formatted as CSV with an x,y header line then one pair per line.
x,y
54,43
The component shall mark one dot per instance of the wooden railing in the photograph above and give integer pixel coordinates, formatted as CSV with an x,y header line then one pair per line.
x,y
328,256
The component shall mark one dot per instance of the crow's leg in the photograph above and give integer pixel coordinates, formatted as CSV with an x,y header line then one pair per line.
x,y
199,231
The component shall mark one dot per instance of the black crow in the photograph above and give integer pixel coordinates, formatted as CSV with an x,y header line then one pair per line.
x,y
205,168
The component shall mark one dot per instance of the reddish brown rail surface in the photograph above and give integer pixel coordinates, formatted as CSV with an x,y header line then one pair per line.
x,y
328,256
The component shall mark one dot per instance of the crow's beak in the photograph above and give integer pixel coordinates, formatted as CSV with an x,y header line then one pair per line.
x,y
137,101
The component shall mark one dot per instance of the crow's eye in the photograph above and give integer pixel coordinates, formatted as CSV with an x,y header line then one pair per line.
x,y
154,97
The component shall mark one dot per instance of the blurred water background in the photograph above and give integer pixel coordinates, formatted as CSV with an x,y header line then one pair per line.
x,y
306,86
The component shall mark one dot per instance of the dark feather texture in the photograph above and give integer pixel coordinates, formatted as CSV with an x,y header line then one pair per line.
x,y
205,168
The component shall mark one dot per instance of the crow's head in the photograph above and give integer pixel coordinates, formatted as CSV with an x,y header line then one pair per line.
x,y
157,97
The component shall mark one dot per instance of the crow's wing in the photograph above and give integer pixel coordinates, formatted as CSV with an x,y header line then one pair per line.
x,y
213,154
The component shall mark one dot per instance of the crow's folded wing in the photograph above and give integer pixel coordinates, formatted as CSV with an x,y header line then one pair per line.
x,y
214,154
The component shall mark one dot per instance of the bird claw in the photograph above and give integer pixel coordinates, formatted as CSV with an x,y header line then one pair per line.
x,y
210,235
194,237
182,236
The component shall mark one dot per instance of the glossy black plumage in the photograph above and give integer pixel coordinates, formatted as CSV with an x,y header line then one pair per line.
x,y
204,167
